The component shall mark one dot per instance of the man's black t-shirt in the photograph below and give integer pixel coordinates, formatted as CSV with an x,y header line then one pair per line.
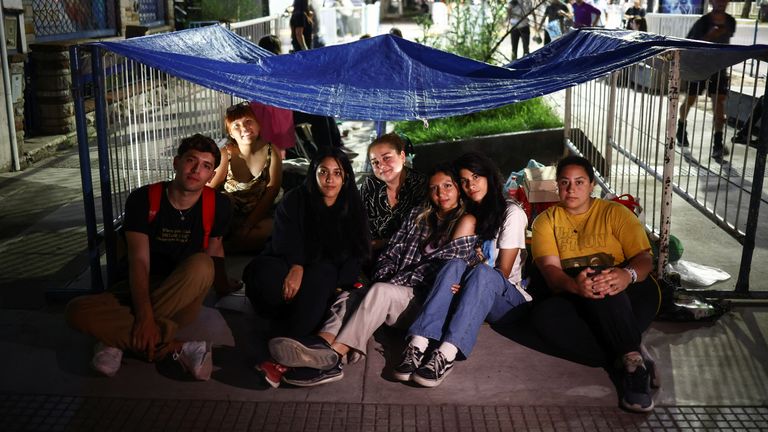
x,y
172,238
703,25
635,12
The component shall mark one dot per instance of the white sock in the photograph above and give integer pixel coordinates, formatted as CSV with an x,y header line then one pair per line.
x,y
449,350
420,342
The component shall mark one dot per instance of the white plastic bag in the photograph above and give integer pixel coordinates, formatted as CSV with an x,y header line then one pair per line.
x,y
697,275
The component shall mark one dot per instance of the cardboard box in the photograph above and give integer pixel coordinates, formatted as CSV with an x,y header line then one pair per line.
x,y
540,179
541,196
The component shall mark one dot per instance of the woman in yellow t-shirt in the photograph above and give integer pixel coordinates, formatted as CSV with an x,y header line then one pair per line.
x,y
595,260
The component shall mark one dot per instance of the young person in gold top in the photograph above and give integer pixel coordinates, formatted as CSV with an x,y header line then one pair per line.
x,y
595,260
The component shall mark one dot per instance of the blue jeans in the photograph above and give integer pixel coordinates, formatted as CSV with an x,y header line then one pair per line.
x,y
485,295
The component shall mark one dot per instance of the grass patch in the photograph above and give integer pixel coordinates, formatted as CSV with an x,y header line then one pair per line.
x,y
527,115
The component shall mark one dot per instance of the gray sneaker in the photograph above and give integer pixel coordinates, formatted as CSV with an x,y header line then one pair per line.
x,y
309,351
106,359
196,359
310,377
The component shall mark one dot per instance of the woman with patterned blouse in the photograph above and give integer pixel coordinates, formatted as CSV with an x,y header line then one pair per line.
x,y
394,190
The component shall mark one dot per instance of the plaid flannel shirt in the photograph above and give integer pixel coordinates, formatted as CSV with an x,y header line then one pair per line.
x,y
403,263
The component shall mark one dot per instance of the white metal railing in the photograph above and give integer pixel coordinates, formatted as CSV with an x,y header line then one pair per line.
x,y
626,124
255,29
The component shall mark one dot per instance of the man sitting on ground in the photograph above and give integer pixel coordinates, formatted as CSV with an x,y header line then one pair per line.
x,y
172,232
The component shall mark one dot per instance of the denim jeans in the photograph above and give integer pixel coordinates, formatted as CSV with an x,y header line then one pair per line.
x,y
485,295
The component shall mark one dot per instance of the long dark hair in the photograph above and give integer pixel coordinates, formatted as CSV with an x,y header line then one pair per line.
x,y
346,219
490,211
440,229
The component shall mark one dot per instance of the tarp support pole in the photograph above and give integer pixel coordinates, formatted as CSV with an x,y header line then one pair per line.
x,y
567,121
380,127
748,246
89,202
673,97
105,179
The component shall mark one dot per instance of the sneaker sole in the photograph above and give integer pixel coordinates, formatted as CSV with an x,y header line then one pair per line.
x,y
637,408
205,370
400,376
424,382
263,374
292,353
314,383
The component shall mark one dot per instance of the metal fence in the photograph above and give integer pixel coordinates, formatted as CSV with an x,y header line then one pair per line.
x,y
67,19
255,29
141,116
627,124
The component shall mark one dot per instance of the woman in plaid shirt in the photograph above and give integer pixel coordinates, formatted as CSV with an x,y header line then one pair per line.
x,y
433,234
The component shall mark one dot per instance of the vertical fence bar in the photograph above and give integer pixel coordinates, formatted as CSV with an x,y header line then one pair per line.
x,y
748,246
89,202
609,126
567,121
99,94
665,221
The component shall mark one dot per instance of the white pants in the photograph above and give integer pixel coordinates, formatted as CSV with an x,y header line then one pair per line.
x,y
384,303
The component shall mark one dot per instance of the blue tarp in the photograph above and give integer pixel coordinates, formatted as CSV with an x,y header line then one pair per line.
x,y
389,78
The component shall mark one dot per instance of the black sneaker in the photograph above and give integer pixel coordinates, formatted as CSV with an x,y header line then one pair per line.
x,y
309,351
718,144
434,372
717,154
637,390
682,135
742,139
308,377
412,357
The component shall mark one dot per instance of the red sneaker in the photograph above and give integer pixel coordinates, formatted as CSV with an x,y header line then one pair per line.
x,y
272,372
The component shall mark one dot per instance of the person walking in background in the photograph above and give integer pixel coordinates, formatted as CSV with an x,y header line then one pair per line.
x,y
517,14
584,14
555,14
302,21
634,11
171,251
717,27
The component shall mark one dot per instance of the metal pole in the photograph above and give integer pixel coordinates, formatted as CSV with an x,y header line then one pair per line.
x,y
89,203
610,124
8,95
754,41
567,121
665,220
748,248
99,95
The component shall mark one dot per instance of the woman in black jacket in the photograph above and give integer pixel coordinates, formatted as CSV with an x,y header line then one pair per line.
x,y
319,242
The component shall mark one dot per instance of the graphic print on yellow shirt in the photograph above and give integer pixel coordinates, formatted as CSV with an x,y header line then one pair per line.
x,y
606,235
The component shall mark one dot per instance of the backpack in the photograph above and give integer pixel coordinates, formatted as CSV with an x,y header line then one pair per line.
x,y
209,208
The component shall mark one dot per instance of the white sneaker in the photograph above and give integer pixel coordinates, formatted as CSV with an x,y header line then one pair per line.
x,y
106,359
196,358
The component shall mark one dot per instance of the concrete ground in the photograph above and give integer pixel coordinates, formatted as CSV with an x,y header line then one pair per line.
x,y
714,375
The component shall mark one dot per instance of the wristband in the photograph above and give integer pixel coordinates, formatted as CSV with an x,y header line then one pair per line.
x,y
632,273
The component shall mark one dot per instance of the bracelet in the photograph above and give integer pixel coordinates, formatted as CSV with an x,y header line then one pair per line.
x,y
632,273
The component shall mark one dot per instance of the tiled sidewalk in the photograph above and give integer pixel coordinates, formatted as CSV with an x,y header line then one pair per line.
x,y
59,413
